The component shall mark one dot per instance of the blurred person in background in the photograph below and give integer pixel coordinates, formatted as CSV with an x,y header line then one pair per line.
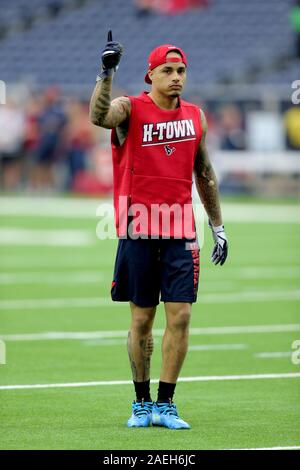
x,y
232,134
33,109
171,7
79,139
12,131
51,127
144,8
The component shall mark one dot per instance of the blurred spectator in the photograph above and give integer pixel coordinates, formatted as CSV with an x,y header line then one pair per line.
x,y
12,125
144,7
3,30
51,124
292,127
33,109
231,128
47,143
79,139
168,6
54,8
295,22
100,180
26,18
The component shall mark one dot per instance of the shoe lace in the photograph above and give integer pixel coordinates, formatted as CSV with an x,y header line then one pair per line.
x,y
142,408
168,409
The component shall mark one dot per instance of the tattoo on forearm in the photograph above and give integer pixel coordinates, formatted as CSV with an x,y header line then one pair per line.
x,y
207,187
103,111
100,101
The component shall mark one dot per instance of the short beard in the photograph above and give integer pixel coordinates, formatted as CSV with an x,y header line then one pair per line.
x,y
175,94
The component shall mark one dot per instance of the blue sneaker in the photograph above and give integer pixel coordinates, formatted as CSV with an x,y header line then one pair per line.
x,y
141,414
165,414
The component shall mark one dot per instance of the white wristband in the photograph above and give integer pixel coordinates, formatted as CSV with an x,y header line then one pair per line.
x,y
219,228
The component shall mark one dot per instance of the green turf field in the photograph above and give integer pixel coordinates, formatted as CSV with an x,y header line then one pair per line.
x,y
55,278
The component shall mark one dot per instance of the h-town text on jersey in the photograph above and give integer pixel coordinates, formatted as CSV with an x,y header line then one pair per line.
x,y
166,131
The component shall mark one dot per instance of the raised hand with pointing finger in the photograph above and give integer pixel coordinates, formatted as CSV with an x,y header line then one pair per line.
x,y
111,56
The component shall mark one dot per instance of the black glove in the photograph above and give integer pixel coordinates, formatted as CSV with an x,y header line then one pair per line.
x,y
220,250
111,56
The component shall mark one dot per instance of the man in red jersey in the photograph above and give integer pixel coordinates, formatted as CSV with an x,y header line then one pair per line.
x,y
158,142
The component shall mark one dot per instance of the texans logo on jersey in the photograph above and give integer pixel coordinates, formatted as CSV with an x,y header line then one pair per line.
x,y
169,150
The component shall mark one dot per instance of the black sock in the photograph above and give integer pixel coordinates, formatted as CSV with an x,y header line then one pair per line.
x,y
165,392
142,390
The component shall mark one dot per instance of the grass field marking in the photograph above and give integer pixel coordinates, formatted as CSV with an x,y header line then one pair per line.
x,y
46,237
263,272
51,277
58,260
58,207
273,355
249,329
96,302
84,335
90,276
83,302
194,347
265,213
64,260
204,378
83,277
217,347
2,352
246,272
251,296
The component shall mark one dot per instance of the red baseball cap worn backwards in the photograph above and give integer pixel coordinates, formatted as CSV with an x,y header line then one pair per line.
x,y
159,56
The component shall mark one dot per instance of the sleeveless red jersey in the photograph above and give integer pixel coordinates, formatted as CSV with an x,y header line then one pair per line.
x,y
153,170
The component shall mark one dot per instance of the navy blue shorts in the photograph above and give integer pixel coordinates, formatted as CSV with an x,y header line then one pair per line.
x,y
148,268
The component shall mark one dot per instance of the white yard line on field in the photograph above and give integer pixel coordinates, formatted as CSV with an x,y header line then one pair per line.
x,y
63,259
265,213
97,302
273,355
82,208
265,272
217,347
87,335
194,347
251,296
57,207
51,277
204,378
33,237
91,276
89,260
85,277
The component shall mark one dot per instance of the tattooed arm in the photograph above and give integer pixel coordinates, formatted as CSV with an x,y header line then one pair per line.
x,y
206,181
103,111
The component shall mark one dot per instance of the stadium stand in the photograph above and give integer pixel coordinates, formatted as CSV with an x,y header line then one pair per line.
x,y
284,76
221,41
